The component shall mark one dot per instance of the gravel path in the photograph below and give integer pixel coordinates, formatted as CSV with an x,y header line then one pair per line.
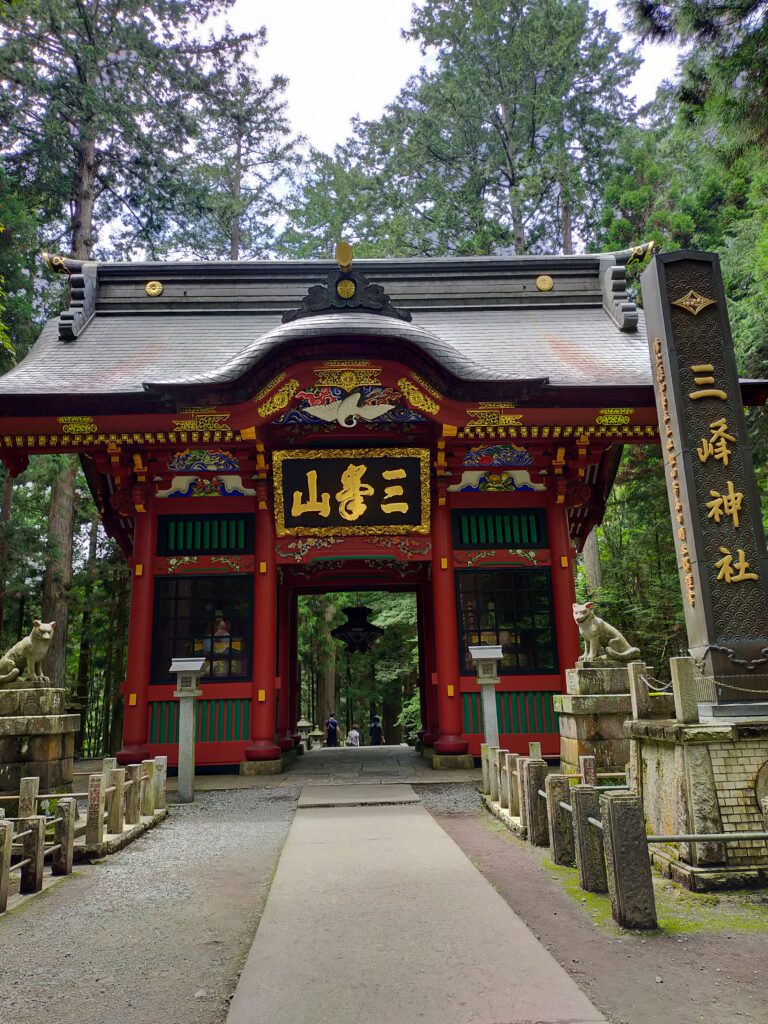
x,y
158,933
450,798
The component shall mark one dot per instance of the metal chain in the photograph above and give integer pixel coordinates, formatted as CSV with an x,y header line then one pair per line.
x,y
656,685
740,689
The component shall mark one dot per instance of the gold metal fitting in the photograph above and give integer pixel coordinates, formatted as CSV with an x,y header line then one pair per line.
x,y
153,288
344,255
545,283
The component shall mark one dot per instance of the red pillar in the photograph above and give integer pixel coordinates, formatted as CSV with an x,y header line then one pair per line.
x,y
446,637
563,590
262,746
284,737
428,691
136,686
294,682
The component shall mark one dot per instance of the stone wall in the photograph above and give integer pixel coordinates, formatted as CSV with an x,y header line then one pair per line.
x,y
735,765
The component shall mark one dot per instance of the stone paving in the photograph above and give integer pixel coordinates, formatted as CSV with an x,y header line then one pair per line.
x,y
330,766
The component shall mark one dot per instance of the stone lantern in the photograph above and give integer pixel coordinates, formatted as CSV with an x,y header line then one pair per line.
x,y
486,659
303,727
315,736
187,672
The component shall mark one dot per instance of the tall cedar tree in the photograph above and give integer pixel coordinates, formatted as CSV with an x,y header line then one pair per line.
x,y
726,66
93,116
244,154
503,146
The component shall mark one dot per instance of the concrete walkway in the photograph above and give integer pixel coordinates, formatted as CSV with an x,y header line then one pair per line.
x,y
376,915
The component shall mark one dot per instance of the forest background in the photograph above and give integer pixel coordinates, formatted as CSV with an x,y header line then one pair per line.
x,y
145,130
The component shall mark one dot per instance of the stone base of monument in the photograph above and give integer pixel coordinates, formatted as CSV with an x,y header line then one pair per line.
x,y
703,777
36,738
591,717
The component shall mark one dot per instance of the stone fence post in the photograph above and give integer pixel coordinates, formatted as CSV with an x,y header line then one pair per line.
x,y
484,766
107,765
132,794
116,814
148,789
6,843
588,770
627,861
501,765
94,825
522,801
161,774
536,809
29,787
590,858
33,851
684,690
64,836
493,772
560,821
513,790
638,691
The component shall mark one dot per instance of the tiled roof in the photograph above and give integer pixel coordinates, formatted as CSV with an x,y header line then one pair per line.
x,y
480,320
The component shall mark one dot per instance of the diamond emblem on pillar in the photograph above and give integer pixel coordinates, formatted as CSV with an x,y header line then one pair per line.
x,y
693,302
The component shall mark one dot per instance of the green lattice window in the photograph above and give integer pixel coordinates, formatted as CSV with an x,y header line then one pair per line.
x,y
489,529
205,535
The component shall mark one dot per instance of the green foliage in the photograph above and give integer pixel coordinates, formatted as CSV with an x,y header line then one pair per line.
x,y
383,681
97,109
229,201
501,146
640,594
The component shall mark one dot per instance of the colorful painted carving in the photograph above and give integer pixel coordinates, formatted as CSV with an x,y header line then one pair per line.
x,y
487,480
336,405
225,486
498,455
202,460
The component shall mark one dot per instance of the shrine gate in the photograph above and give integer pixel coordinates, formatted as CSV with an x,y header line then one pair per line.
x,y
254,430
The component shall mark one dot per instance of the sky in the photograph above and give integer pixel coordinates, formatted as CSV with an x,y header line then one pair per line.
x,y
348,59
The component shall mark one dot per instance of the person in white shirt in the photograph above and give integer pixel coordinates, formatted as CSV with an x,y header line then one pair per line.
x,y
353,737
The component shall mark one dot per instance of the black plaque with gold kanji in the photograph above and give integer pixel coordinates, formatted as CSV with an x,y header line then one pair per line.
x,y
347,492
709,473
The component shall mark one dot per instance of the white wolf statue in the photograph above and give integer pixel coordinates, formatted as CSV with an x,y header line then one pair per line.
x,y
603,643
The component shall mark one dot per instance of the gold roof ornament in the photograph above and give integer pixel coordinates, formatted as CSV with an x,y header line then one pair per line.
x,y
58,264
544,283
153,288
344,256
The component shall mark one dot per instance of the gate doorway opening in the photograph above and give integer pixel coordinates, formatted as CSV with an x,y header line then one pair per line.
x,y
385,679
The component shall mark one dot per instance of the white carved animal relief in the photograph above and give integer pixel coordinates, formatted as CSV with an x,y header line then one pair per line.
x,y
603,643
23,663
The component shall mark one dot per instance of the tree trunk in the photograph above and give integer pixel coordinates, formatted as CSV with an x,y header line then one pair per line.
x,y
81,692
6,504
58,571
567,228
84,199
234,235
591,555
327,702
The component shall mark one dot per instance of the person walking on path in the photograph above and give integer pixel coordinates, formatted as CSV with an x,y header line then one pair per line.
x,y
332,731
353,736
376,732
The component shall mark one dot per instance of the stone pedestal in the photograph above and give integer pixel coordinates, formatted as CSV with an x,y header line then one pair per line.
x,y
703,777
36,738
591,717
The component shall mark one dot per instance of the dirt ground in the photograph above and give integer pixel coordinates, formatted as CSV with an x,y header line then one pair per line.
x,y
707,962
